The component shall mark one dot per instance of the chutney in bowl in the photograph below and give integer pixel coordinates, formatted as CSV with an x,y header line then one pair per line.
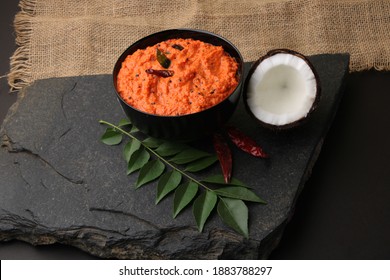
x,y
179,84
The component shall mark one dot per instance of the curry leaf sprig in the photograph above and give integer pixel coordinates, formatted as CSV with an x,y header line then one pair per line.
x,y
172,164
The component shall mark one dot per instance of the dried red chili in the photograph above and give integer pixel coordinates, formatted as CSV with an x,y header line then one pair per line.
x,y
245,143
224,156
160,73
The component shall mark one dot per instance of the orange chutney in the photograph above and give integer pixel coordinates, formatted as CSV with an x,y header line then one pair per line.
x,y
203,75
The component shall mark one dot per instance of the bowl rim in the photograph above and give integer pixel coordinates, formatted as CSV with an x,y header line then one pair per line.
x,y
124,54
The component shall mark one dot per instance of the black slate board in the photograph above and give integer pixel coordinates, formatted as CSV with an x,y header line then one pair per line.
x,y
59,183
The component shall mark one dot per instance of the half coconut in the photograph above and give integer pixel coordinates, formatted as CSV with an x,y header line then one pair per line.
x,y
282,89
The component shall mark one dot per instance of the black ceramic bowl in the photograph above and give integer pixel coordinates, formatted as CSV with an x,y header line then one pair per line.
x,y
190,126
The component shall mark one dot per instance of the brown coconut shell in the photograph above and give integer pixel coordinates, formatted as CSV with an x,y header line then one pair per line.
x,y
249,76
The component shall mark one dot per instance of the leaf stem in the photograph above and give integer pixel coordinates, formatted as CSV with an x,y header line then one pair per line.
x,y
156,154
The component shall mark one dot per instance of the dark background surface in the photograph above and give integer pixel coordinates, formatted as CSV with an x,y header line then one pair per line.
x,y
344,209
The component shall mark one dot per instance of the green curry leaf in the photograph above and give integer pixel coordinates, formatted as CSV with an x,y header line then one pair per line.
x,y
202,207
111,137
188,155
149,172
132,146
138,159
239,193
234,213
124,122
184,194
201,164
162,59
167,183
152,142
167,149
219,180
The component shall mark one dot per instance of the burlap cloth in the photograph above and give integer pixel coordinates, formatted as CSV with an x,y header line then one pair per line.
x,y
60,38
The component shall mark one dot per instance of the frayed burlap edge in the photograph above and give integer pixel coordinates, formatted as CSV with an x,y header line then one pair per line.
x,y
20,64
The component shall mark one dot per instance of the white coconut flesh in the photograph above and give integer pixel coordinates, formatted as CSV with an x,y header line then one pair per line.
x,y
281,90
